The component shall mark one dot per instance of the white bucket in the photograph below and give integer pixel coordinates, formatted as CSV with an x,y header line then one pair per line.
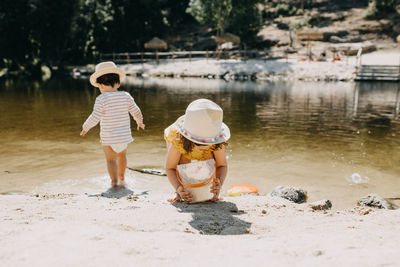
x,y
196,173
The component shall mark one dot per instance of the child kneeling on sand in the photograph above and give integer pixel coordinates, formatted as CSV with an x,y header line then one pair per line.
x,y
198,136
112,108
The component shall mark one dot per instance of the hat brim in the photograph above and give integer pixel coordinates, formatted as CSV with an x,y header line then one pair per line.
x,y
99,73
222,136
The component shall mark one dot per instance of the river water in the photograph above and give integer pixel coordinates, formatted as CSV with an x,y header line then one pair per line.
x,y
338,141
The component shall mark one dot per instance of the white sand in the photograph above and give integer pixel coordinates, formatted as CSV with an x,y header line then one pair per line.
x,y
78,230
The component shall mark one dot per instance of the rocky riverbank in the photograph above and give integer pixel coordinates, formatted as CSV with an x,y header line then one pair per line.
x,y
246,70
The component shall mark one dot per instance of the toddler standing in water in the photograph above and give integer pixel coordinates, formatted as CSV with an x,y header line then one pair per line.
x,y
112,108
198,136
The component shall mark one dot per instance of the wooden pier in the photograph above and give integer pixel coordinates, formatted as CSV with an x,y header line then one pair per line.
x,y
378,73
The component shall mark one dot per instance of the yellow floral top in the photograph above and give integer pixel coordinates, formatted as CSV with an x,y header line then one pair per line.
x,y
172,137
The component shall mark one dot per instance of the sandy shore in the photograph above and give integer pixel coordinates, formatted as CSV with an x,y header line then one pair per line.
x,y
142,229
287,69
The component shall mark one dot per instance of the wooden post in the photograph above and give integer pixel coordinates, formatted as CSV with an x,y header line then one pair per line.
x,y
157,56
358,61
245,54
173,57
190,56
396,113
286,55
355,99
265,55
141,58
127,58
207,55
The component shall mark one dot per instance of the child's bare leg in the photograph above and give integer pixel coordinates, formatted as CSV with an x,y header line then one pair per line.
x,y
122,162
111,158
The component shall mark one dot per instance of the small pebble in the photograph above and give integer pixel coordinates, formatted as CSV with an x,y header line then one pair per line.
x,y
234,209
318,253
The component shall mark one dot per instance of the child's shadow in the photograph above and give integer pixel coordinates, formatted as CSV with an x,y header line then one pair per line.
x,y
118,192
215,218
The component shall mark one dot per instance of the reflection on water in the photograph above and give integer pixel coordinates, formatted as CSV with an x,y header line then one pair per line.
x,y
315,135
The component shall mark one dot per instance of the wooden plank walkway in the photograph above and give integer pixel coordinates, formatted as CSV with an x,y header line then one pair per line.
x,y
378,73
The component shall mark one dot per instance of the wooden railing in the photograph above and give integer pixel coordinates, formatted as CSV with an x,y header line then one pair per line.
x,y
142,57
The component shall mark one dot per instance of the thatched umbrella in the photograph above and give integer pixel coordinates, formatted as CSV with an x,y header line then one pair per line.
x,y
156,43
226,38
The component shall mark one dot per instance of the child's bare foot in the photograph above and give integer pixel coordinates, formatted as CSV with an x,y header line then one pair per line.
x,y
114,183
122,181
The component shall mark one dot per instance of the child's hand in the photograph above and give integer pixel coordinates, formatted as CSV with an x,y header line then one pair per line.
x,y
216,188
185,195
140,125
83,133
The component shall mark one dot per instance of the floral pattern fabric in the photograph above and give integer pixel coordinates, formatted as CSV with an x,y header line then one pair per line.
x,y
172,137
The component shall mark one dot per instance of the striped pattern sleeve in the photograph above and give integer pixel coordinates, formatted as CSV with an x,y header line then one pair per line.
x,y
134,110
94,118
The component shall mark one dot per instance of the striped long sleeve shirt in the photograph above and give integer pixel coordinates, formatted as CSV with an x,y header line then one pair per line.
x,y
112,110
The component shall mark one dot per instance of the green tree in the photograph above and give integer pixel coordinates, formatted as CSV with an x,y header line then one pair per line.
x,y
51,23
245,20
212,12
117,25
16,43
91,29
241,17
136,22
174,13
378,8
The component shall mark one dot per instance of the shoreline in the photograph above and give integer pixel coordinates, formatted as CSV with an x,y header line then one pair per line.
x,y
260,70
146,229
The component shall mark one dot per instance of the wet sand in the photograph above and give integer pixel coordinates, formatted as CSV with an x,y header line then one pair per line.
x,y
59,167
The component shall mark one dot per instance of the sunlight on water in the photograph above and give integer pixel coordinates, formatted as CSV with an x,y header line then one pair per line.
x,y
356,178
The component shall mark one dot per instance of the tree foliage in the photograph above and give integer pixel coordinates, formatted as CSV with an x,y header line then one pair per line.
x,y
16,43
240,17
245,20
212,12
378,8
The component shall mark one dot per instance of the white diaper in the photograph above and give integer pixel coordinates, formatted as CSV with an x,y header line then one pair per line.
x,y
119,147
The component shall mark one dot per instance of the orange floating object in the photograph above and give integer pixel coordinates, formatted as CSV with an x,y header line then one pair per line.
x,y
244,189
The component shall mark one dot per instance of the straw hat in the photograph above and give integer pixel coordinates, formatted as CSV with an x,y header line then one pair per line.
x,y
202,123
106,68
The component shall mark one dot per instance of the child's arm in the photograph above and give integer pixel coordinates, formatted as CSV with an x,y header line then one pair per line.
x,y
221,171
94,118
173,158
134,110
